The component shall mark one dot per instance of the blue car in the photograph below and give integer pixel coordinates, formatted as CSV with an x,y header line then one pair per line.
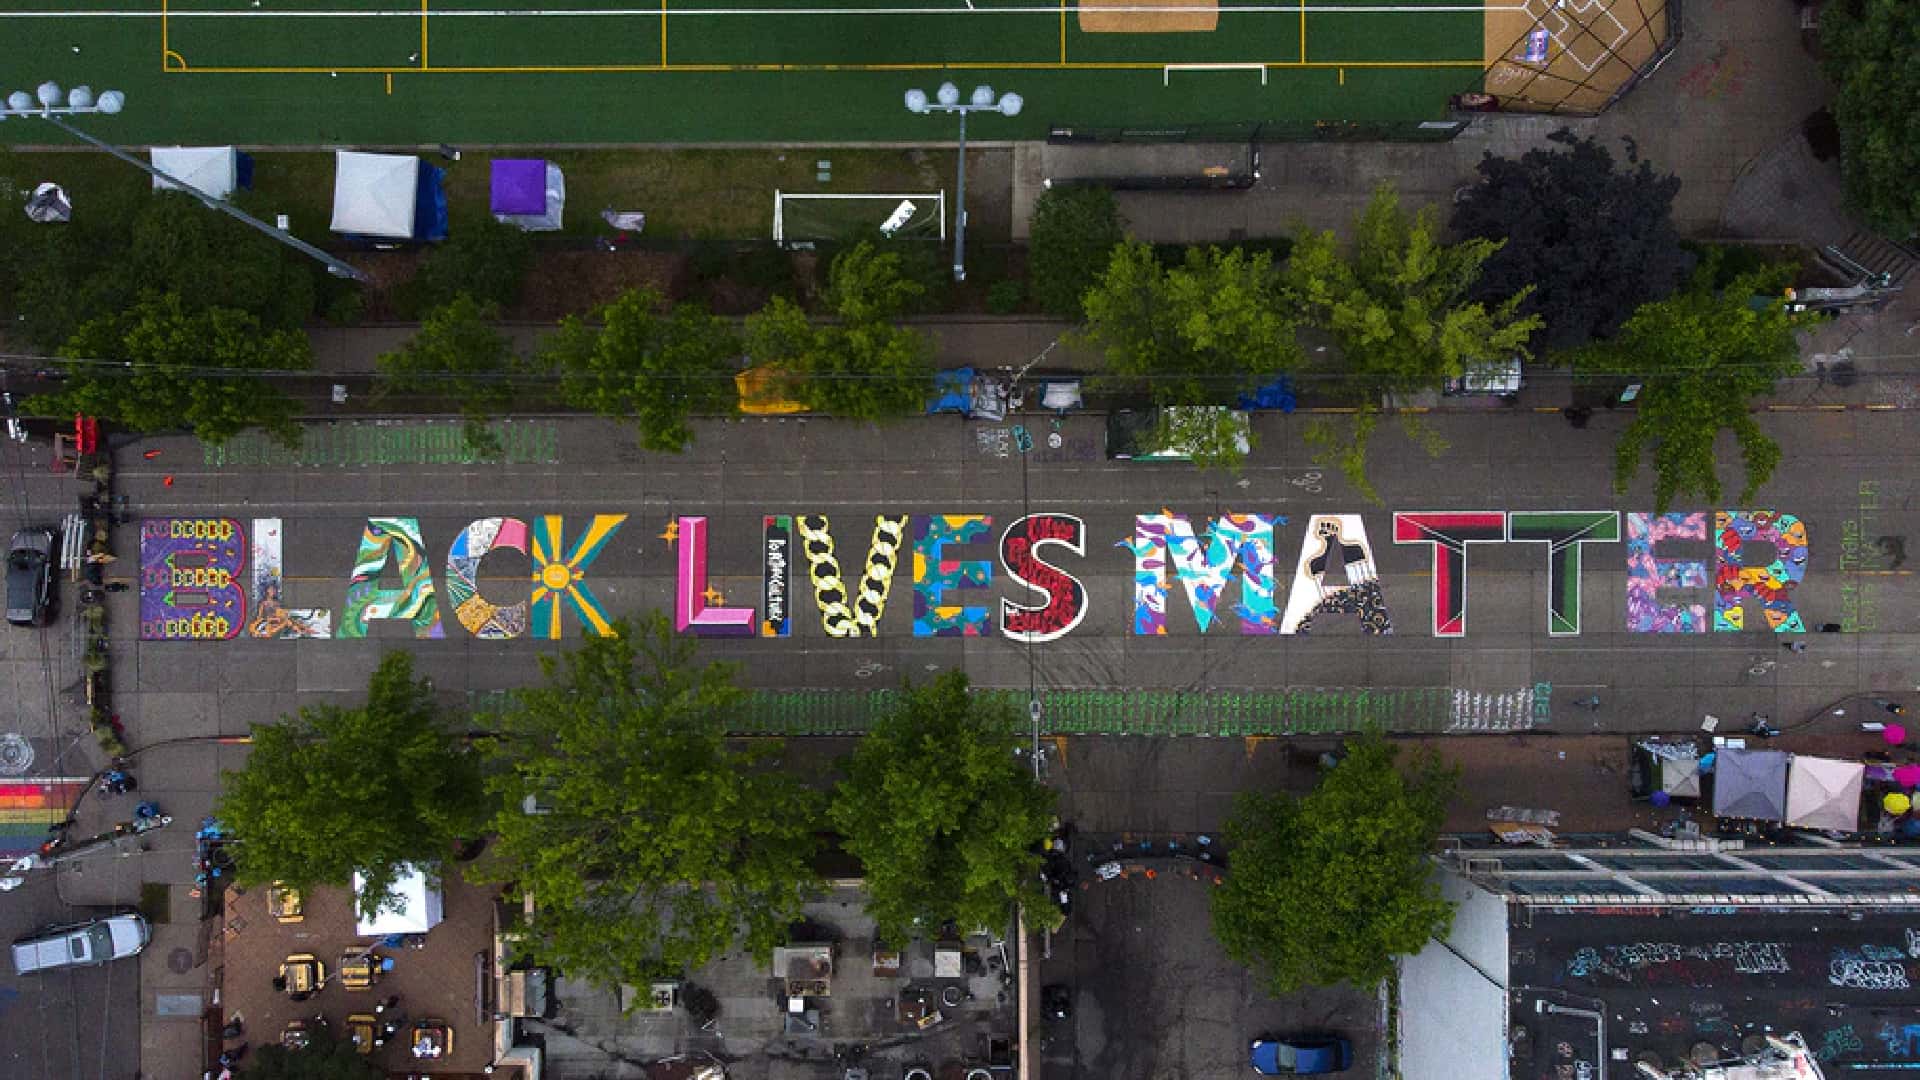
x,y
1300,1055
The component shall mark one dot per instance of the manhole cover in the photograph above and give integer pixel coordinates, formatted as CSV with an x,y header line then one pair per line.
x,y
180,961
16,754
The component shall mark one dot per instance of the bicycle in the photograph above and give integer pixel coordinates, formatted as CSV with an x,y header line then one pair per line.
x,y
1308,482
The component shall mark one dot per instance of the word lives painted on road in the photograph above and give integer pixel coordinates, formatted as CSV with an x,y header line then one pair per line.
x,y
216,578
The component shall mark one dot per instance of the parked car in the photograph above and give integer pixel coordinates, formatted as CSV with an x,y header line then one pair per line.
x,y
30,577
115,937
1299,1055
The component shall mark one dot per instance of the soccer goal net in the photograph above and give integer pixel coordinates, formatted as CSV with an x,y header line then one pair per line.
x,y
815,217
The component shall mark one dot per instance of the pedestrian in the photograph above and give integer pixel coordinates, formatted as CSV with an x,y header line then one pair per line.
x,y
1796,645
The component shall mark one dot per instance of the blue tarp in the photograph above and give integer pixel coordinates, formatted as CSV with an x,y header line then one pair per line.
x,y
1277,394
954,390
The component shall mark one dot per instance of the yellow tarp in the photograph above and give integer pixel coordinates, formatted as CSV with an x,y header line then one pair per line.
x,y
762,393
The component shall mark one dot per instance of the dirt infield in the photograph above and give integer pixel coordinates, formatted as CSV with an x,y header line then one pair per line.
x,y
1589,49
1181,16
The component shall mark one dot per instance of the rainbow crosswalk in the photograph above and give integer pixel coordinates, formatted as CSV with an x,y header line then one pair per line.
x,y
29,807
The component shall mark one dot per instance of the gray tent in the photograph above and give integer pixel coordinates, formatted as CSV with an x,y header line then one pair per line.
x,y
1750,784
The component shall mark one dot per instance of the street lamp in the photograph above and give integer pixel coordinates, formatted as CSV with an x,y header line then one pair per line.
x,y
947,100
44,103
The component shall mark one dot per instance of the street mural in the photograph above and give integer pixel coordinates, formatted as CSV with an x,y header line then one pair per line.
x,y
211,578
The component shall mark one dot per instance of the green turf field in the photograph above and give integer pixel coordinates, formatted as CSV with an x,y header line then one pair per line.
x,y
599,71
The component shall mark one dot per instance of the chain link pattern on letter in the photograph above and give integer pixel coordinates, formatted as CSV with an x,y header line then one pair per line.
x,y
837,617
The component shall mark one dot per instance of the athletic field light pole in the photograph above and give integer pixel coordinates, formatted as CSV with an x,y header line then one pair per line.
x,y
45,104
947,100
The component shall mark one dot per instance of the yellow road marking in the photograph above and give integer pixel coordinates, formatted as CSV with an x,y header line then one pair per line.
x,y
1041,65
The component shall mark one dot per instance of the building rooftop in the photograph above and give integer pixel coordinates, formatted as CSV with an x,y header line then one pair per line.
x,y
1707,984
446,979
831,998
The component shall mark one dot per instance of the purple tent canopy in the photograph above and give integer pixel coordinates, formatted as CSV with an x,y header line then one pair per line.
x,y
519,186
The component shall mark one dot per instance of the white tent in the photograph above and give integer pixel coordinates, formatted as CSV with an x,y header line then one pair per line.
x,y
418,907
1823,793
214,170
374,194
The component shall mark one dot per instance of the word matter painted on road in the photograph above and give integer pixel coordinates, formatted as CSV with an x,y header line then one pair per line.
x,y
195,583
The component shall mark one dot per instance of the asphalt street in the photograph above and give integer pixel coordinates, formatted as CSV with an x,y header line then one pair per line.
x,y
1842,477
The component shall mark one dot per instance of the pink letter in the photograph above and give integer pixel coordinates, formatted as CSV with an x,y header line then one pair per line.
x,y
690,610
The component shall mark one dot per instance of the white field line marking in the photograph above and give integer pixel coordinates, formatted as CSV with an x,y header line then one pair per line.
x,y
1253,9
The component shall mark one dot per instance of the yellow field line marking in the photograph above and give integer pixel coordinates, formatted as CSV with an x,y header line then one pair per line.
x,y
424,62
1041,65
1303,31
389,84
163,34
663,35
1343,76
176,57
1063,31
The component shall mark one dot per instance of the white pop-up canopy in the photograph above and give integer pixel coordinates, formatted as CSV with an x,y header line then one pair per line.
x,y
375,194
417,908
1823,793
211,169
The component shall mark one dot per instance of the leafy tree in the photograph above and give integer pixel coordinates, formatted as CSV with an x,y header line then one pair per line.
x,y
459,355
333,791
1069,245
484,258
1700,357
1331,886
1397,308
1194,335
324,1059
1868,49
128,243
863,367
654,847
162,365
659,369
1594,242
944,817
868,285
1214,437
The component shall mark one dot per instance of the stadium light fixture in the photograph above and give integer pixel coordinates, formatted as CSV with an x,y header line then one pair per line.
x,y
44,103
946,99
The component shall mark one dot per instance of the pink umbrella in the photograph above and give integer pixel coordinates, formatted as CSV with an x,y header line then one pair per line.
x,y
1895,734
1907,776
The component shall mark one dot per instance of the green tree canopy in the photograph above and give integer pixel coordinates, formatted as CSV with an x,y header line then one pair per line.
x,y
325,1059
1701,357
482,258
1331,886
943,816
458,355
163,364
1396,306
1594,242
1069,245
1871,51
863,366
658,366
1197,334
655,847
333,791
123,246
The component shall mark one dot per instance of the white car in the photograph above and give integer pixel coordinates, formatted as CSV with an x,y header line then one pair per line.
x,y
115,937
